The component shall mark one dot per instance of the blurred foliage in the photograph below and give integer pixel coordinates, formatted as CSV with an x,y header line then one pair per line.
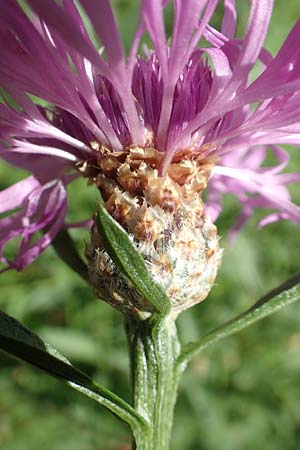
x,y
241,394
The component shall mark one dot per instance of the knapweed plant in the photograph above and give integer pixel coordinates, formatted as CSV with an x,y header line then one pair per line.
x,y
163,133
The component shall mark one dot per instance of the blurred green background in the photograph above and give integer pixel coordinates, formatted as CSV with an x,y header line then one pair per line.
x,y
242,394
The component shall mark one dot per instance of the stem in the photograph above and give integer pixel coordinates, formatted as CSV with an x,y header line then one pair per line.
x,y
154,349
113,403
284,295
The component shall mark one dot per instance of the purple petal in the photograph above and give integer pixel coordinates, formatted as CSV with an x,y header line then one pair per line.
x,y
260,15
105,26
152,13
43,207
15,195
229,19
68,29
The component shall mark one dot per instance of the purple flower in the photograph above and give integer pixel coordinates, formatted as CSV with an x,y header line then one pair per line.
x,y
177,95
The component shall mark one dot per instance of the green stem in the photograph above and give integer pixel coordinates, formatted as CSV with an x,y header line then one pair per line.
x,y
113,403
154,348
287,293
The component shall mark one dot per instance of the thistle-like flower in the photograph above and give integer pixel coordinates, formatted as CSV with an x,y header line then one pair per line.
x,y
151,130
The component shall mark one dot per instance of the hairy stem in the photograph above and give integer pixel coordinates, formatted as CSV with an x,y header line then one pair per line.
x,y
272,302
154,349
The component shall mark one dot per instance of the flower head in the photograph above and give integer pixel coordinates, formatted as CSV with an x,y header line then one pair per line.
x,y
191,107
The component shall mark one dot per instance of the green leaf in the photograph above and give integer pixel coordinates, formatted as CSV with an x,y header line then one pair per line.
x,y
128,260
20,342
78,345
65,248
276,299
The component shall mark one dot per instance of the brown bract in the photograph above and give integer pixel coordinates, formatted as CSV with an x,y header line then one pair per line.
x,y
130,184
165,217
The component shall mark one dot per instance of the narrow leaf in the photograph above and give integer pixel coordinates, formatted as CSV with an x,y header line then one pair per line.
x,y
276,299
65,248
20,342
128,260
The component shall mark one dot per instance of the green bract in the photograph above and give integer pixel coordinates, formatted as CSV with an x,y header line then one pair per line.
x,y
128,260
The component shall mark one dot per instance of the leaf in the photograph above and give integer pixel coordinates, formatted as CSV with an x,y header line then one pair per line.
x,y
65,248
129,261
276,299
78,345
22,343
